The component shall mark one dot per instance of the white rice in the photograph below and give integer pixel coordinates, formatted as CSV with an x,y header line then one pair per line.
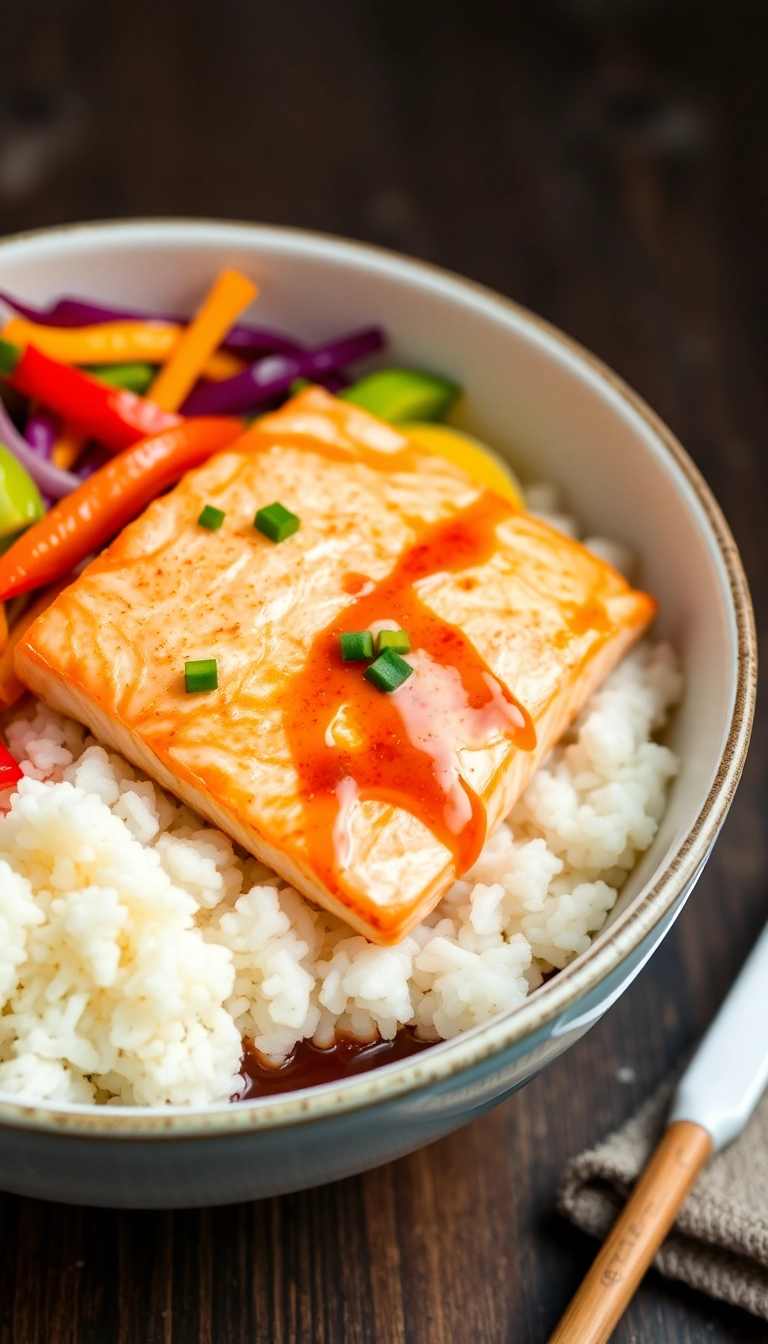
x,y
138,947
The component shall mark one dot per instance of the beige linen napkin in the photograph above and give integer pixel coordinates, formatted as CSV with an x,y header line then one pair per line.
x,y
719,1242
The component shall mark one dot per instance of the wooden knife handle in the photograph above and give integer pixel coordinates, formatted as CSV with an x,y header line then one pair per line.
x,y
636,1235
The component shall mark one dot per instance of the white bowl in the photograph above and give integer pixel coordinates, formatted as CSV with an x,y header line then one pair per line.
x,y
560,415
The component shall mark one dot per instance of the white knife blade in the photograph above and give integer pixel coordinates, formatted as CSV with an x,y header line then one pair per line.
x,y
729,1072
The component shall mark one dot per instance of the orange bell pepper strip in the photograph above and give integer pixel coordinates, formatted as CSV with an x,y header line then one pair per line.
x,y
114,343
11,689
229,297
83,521
3,626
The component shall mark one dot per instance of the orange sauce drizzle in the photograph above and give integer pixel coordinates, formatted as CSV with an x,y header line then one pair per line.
x,y
380,760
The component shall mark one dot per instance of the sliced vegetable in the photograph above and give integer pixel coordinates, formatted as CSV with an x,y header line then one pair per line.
x,y
73,312
403,394
201,674
11,689
50,479
355,645
211,517
20,502
229,296
480,462
134,377
274,375
113,343
388,672
71,443
40,432
113,416
396,640
276,522
10,771
103,504
69,446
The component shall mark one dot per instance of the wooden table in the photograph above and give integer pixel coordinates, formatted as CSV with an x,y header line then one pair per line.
x,y
605,164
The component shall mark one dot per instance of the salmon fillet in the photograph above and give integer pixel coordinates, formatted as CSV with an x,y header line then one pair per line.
x,y
369,803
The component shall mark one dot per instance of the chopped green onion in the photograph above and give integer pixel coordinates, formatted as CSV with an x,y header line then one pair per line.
x,y
211,517
388,672
396,640
201,674
276,522
357,644
298,385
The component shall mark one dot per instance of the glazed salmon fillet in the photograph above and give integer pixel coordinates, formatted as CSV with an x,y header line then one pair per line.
x,y
369,802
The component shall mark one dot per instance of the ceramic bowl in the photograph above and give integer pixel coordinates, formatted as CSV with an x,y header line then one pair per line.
x,y
559,414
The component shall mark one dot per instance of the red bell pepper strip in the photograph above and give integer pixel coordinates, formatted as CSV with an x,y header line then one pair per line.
x,y
115,417
10,773
84,520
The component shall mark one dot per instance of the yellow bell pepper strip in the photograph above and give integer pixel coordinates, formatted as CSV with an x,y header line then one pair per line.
x,y
229,297
11,689
83,521
474,457
115,417
248,342
114,343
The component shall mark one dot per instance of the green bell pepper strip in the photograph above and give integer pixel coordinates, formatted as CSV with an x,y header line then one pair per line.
x,y
20,500
403,394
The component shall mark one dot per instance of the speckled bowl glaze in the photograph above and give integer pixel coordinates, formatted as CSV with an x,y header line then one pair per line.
x,y
559,414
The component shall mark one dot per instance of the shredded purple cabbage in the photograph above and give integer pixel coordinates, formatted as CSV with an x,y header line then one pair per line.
x,y
268,377
40,432
52,481
72,312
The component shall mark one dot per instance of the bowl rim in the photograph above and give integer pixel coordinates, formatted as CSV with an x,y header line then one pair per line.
x,y
447,1059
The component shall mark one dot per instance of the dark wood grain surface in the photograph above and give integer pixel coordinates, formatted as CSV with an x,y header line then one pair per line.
x,y
604,162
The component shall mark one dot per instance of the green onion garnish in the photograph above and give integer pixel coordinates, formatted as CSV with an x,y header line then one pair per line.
x,y
388,672
276,522
357,644
396,640
201,675
211,517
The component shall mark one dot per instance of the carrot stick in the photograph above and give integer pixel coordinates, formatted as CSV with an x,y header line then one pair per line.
x,y
10,687
228,298
115,343
84,520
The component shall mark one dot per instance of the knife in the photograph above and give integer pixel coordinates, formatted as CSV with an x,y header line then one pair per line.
x,y
713,1102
